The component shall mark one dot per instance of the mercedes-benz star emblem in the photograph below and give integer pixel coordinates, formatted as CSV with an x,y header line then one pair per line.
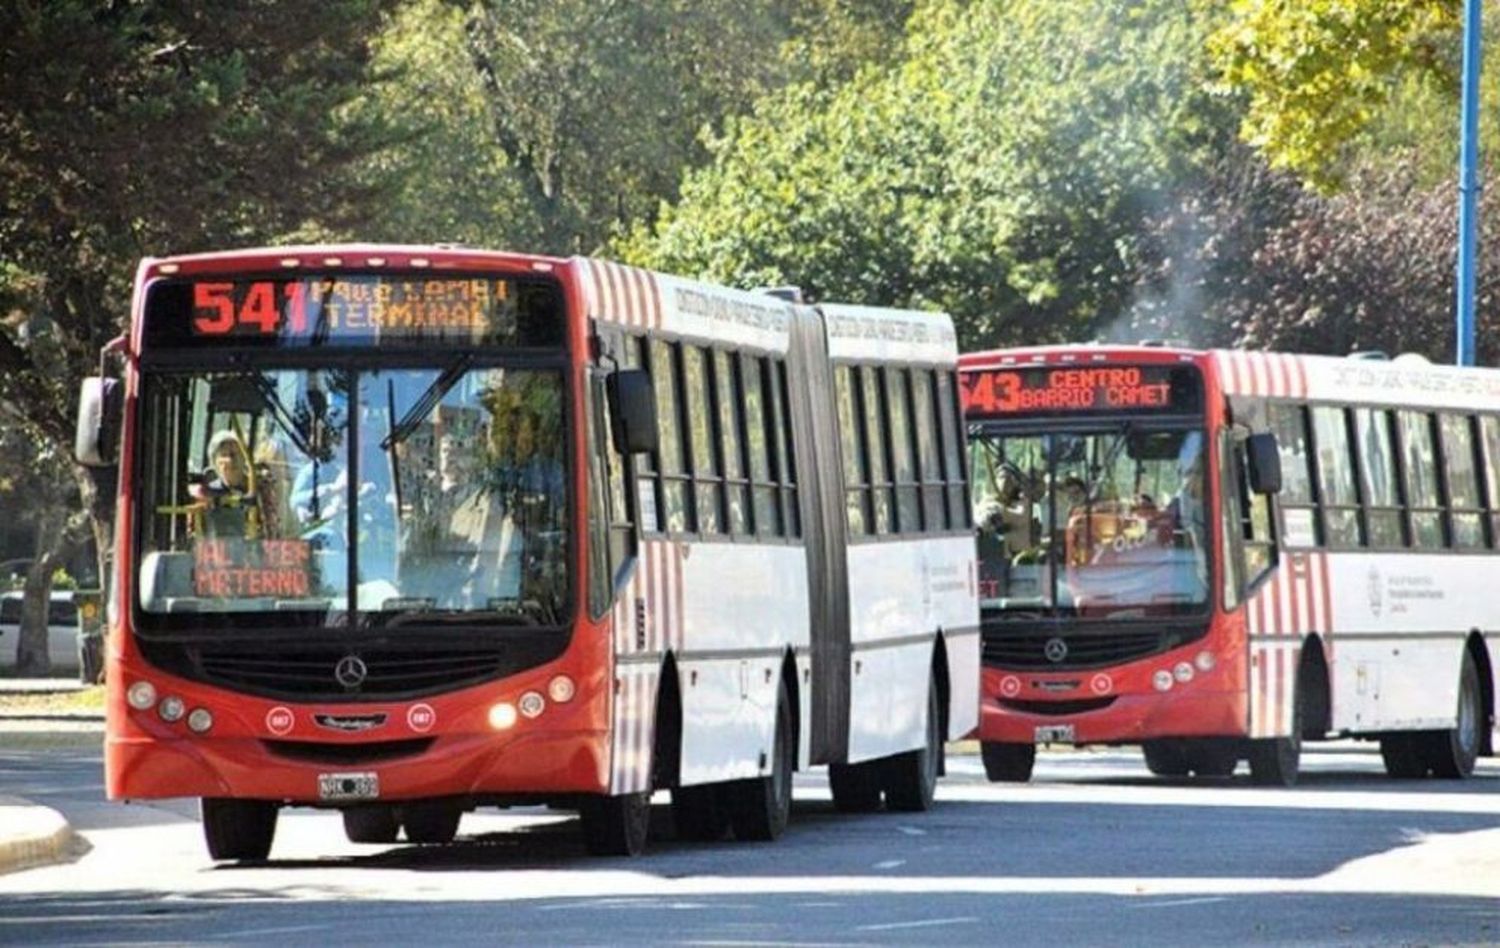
x,y
1056,650
350,671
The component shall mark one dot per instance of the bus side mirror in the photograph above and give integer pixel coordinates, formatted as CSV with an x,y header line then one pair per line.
x,y
1265,463
100,407
632,405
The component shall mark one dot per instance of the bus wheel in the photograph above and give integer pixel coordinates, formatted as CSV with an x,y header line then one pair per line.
x,y
617,826
1211,758
760,807
911,778
855,787
1166,758
1452,753
1274,761
374,823
1402,756
238,829
431,821
699,814
1007,763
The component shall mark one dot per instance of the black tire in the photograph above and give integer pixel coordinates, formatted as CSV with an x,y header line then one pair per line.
x,y
1166,758
431,822
698,813
911,778
1452,753
855,787
617,826
238,829
1211,758
760,807
1402,756
1007,763
1275,761
372,823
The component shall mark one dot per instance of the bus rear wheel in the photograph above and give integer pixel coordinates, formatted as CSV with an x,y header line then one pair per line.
x,y
1007,763
1452,753
238,829
760,807
855,787
618,825
373,823
1402,756
698,813
911,778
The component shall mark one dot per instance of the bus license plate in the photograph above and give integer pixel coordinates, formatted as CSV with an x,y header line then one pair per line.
x,y
1054,733
361,786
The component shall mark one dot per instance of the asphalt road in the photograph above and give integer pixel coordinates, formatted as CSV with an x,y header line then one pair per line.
x,y
1094,851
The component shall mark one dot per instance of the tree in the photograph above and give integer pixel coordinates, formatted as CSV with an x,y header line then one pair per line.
x,y
1316,74
998,168
546,126
128,129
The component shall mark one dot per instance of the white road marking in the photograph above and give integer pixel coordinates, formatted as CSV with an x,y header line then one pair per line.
x,y
929,923
1176,902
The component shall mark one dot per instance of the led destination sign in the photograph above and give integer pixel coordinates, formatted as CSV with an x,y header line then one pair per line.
x,y
354,310
1071,389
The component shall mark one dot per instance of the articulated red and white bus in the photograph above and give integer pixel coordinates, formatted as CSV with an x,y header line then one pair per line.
x,y
1217,555
404,531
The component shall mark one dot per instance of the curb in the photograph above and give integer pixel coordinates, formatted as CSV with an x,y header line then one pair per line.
x,y
33,836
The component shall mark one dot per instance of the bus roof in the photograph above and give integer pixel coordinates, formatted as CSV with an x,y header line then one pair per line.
x,y
1405,381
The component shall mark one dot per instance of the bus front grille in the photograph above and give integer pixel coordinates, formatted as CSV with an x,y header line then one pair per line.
x,y
1079,649
323,672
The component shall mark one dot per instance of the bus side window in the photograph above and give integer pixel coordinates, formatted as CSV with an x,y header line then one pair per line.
x,y
1424,505
1298,514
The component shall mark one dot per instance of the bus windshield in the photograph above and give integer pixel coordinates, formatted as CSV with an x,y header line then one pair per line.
x,y
1104,522
390,494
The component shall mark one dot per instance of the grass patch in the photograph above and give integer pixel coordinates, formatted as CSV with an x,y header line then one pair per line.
x,y
61,702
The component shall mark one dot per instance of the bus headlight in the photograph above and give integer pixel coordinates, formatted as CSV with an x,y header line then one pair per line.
x,y
532,704
171,708
141,695
200,720
503,716
1183,672
1205,661
1162,680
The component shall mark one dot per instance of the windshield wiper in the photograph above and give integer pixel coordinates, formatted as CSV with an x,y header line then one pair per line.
x,y
419,411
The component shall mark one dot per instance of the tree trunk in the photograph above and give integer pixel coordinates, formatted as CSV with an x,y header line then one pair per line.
x,y
32,658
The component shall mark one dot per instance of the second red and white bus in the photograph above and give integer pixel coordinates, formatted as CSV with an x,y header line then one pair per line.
x,y
1220,554
403,531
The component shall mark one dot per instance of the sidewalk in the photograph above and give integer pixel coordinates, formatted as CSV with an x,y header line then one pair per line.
x,y
32,835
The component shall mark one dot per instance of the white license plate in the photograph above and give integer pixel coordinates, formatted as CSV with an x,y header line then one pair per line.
x,y
361,786
1054,733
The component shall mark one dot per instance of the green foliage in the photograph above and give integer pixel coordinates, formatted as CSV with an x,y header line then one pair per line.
x,y
547,125
998,169
136,129
1316,74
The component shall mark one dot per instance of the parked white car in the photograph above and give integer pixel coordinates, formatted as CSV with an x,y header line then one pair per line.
x,y
62,630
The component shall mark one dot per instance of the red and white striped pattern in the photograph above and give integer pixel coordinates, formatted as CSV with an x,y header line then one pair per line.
x,y
648,620
1294,603
1262,374
625,295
